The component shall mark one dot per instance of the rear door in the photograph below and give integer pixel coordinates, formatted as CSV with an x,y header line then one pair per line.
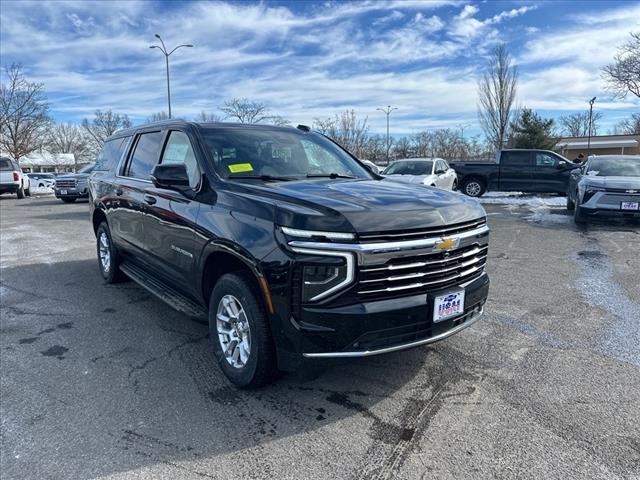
x,y
128,218
516,171
171,217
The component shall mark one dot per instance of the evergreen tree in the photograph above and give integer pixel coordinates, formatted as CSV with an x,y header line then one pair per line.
x,y
532,131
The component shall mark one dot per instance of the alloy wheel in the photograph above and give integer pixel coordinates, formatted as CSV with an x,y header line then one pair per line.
x,y
104,252
234,333
472,189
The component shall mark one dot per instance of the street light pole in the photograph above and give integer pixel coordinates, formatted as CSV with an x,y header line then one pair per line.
x,y
387,111
591,102
163,49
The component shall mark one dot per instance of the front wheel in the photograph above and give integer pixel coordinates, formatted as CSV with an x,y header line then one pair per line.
x,y
27,192
240,333
578,216
20,192
454,187
473,187
570,204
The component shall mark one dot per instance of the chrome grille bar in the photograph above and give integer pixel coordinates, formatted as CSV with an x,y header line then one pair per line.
x,y
425,263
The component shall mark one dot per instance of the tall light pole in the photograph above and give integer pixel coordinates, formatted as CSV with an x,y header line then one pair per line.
x,y
387,111
591,102
462,126
163,49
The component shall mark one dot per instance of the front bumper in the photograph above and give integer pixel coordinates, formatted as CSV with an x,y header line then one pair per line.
x,y
71,193
385,326
610,204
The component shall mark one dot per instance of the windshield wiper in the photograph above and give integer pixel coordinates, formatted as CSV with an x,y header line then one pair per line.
x,y
328,175
273,178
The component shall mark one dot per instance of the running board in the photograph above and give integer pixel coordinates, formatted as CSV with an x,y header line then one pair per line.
x,y
164,292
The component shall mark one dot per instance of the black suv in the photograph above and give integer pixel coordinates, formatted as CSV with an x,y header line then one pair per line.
x,y
291,248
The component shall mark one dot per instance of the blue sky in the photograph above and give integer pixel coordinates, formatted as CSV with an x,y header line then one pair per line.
x,y
312,59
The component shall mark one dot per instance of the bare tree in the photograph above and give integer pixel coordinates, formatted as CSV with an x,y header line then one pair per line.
x,y
103,125
279,121
623,75
158,117
403,148
628,126
577,124
496,95
69,138
346,130
246,111
24,114
206,117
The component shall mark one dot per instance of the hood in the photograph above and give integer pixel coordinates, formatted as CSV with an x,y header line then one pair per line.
x,y
73,176
364,205
630,183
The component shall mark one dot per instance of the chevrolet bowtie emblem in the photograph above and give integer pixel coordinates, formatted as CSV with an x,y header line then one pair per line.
x,y
446,244
632,191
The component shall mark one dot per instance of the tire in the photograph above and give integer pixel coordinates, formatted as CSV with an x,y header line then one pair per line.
x,y
571,206
473,187
454,187
110,270
237,292
27,192
578,217
68,200
20,192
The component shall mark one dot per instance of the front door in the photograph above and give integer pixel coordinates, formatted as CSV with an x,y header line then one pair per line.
x,y
171,218
550,175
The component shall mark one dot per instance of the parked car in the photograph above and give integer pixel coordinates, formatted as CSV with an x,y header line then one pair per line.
x,y
607,185
13,179
433,172
42,180
72,186
291,249
530,171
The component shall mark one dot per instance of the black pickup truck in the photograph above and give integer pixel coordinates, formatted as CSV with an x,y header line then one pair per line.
x,y
291,248
515,171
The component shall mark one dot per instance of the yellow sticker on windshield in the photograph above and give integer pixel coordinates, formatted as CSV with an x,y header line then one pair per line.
x,y
240,167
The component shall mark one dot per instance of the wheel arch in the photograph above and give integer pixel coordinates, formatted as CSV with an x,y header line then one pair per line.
x,y
97,218
219,260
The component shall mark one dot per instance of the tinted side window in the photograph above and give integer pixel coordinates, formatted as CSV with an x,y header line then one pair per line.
x,y
110,154
145,155
545,160
520,159
179,150
5,164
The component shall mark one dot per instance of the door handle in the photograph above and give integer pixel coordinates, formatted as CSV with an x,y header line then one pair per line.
x,y
151,200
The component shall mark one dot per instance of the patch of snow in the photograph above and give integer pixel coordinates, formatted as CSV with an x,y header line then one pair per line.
x,y
545,215
519,198
41,190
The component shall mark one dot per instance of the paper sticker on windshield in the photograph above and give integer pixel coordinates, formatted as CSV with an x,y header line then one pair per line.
x,y
240,167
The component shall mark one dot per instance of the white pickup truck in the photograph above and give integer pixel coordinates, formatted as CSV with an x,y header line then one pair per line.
x,y
12,178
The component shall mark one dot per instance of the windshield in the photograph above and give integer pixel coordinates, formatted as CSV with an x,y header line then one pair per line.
x,y
87,169
410,168
614,167
287,155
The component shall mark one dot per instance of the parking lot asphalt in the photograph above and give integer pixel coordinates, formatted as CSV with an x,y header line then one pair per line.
x,y
105,381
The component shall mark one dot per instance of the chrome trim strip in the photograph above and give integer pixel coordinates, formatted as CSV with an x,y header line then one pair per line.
x,y
367,353
387,246
470,253
423,284
350,269
408,276
442,231
294,232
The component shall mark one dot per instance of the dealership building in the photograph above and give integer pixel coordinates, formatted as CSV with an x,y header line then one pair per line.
x,y
571,147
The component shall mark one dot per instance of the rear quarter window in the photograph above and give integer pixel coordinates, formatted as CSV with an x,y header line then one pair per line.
x,y
111,153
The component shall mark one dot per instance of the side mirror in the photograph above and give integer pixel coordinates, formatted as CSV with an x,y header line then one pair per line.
x,y
440,172
171,177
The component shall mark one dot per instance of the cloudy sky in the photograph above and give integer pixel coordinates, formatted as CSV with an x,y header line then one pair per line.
x,y
312,59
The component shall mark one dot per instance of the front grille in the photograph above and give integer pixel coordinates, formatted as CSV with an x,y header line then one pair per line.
x,y
421,273
65,184
418,234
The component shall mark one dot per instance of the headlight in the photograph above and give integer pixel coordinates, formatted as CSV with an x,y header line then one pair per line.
x,y
590,191
321,280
